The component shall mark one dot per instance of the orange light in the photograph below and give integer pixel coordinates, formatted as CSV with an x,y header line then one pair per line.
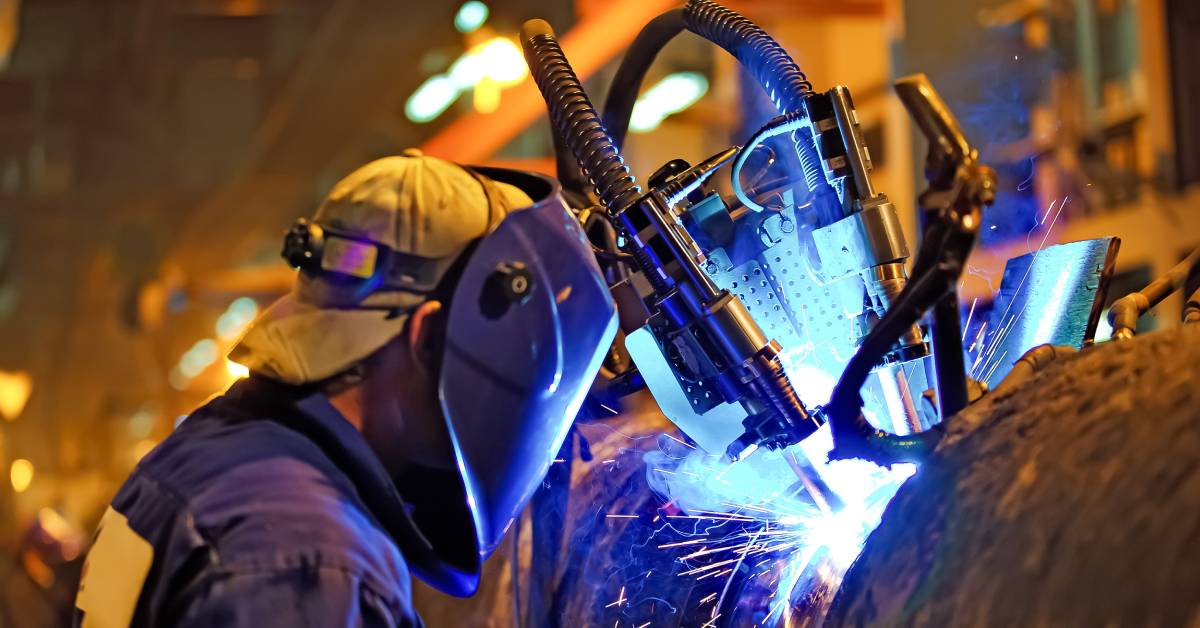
x,y
141,448
21,474
15,388
486,96
235,370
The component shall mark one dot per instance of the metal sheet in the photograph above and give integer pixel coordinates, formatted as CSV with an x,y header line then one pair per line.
x,y
1049,296
714,429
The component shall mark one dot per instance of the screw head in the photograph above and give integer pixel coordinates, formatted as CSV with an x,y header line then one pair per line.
x,y
509,284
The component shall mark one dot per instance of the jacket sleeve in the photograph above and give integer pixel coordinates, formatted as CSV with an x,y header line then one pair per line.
x,y
305,596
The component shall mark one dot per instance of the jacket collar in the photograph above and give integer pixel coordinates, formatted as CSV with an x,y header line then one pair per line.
x,y
307,411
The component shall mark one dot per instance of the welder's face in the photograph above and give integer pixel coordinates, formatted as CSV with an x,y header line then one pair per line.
x,y
402,418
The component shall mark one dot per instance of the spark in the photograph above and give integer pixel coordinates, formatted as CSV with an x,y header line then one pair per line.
x,y
680,441
998,337
620,599
978,337
997,363
969,315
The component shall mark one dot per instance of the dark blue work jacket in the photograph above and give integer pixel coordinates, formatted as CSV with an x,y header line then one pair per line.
x,y
264,508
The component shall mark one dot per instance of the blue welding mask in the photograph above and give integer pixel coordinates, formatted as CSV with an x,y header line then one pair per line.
x,y
528,325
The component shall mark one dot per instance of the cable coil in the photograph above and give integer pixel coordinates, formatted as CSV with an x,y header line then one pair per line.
x,y
774,70
576,121
754,48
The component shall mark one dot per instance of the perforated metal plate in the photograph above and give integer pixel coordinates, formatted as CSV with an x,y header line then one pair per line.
x,y
812,320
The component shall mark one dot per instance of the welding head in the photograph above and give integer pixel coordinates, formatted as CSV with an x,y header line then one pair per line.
x,y
528,321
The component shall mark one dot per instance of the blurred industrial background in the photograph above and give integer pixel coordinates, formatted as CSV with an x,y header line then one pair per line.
x,y
152,152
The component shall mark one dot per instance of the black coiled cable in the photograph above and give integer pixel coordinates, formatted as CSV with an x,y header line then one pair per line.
x,y
766,60
778,75
575,120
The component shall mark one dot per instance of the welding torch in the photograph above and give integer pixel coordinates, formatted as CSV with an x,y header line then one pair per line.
x,y
683,302
960,186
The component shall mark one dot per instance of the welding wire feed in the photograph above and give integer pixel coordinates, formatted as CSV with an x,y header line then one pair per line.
x,y
766,60
777,126
577,123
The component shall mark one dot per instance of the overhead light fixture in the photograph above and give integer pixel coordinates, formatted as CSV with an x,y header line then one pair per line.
x,y
674,93
21,474
471,15
15,388
199,357
236,317
485,70
433,97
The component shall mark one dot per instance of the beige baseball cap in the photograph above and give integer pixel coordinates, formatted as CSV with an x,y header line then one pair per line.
x,y
424,209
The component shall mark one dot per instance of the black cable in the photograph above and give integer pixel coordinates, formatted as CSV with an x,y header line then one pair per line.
x,y
566,169
761,55
627,82
575,120
775,71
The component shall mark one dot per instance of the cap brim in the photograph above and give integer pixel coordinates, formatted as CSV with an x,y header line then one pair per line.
x,y
298,343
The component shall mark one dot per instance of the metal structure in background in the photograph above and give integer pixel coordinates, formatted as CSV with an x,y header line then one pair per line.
x,y
1124,314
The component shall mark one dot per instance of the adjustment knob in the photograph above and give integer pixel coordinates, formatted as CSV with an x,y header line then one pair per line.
x,y
509,284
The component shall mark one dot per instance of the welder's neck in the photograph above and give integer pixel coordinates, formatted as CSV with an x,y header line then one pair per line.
x,y
349,403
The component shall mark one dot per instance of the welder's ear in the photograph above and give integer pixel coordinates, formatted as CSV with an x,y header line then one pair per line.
x,y
423,335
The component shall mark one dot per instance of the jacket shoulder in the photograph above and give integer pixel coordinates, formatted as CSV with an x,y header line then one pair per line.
x,y
252,498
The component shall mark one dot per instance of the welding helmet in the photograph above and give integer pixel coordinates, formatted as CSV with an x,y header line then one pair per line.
x,y
529,324
528,321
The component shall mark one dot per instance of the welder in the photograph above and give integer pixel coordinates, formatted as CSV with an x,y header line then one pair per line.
x,y
405,399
